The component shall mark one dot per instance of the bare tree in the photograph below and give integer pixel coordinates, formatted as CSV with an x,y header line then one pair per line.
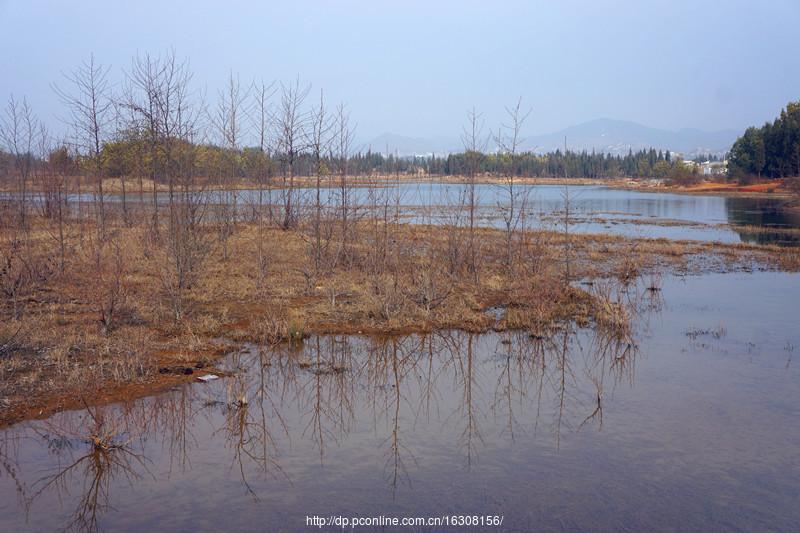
x,y
125,142
141,99
340,153
176,118
111,291
18,127
566,197
229,125
261,120
90,106
186,245
290,122
60,165
23,268
474,142
166,114
157,97
42,172
509,140
51,174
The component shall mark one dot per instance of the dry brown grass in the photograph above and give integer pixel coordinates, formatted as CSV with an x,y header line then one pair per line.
x,y
107,320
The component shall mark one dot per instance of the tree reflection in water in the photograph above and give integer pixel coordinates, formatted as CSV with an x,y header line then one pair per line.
x,y
93,453
330,392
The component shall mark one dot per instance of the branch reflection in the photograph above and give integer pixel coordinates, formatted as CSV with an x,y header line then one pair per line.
x,y
412,394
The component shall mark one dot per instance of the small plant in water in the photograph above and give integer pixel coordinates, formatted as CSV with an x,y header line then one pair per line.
x,y
718,332
101,436
654,283
296,334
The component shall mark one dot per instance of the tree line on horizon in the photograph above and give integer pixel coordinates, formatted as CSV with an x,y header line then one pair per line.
x,y
129,158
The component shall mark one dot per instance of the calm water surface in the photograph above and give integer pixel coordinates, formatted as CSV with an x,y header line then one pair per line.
x,y
599,209
695,427
596,209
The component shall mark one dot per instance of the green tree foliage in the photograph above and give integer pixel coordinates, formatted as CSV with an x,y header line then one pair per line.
x,y
772,150
682,174
129,156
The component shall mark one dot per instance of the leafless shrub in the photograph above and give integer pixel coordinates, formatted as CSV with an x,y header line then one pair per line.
x,y
458,241
16,276
274,327
388,301
111,289
629,264
429,289
654,281
179,262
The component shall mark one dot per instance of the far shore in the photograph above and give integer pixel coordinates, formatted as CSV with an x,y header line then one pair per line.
x,y
135,186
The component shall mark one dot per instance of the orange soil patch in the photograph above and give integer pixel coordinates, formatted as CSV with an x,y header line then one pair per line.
x,y
761,187
768,187
49,404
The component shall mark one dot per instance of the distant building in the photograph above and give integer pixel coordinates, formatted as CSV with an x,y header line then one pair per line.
x,y
714,168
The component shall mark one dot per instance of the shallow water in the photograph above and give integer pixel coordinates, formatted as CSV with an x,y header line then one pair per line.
x,y
595,209
695,429
599,209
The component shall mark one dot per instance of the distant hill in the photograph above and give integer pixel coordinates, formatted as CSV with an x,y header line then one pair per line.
x,y
602,135
619,136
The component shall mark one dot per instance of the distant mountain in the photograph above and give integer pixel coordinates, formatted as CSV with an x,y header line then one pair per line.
x,y
619,136
602,135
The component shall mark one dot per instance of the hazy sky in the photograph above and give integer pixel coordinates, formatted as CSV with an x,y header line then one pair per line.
x,y
415,67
